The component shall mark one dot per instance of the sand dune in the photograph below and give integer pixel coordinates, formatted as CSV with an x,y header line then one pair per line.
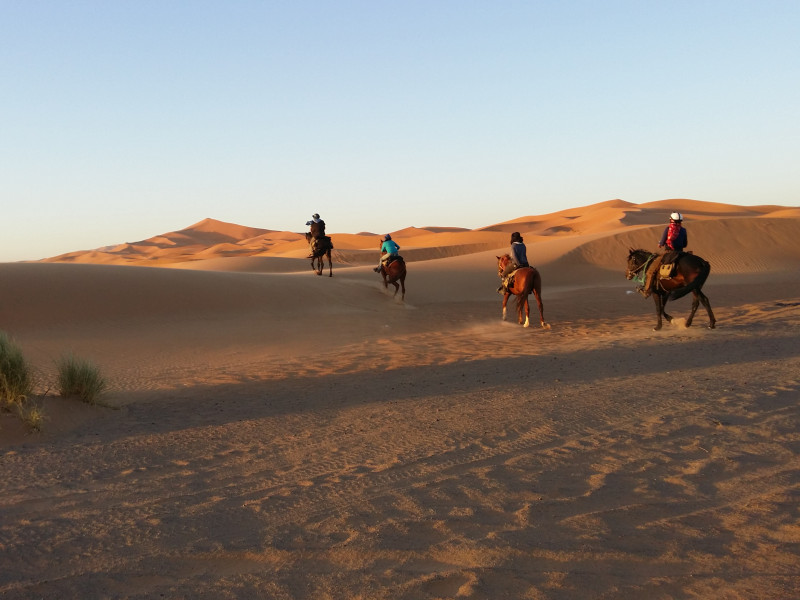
x,y
274,434
213,240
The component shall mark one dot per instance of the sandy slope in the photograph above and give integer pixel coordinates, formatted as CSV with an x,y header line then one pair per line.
x,y
281,435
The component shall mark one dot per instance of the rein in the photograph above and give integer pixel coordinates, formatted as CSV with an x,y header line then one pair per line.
x,y
641,270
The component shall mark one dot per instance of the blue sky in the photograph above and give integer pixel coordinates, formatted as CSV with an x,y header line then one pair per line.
x,y
120,120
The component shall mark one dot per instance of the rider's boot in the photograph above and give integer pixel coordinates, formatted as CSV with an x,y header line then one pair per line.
x,y
645,289
502,289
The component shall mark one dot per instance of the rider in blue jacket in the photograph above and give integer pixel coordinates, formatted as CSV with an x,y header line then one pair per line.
x,y
674,236
674,240
519,258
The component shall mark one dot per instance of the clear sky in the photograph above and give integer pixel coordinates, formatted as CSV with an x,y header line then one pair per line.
x,y
120,120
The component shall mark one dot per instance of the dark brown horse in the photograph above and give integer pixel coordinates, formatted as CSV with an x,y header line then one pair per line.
x,y
319,251
392,273
689,275
527,280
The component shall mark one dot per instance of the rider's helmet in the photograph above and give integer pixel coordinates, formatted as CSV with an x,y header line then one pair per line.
x,y
676,216
387,237
315,216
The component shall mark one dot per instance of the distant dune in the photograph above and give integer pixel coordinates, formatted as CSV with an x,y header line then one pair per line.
x,y
730,234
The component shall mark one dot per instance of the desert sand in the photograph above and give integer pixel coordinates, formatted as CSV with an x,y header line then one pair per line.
x,y
274,434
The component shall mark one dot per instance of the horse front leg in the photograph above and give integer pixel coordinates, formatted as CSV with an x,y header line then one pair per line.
x,y
659,310
505,302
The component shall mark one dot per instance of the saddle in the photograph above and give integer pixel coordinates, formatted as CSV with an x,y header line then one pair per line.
x,y
668,263
392,259
510,277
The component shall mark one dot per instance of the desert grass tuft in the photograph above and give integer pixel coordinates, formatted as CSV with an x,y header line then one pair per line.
x,y
80,377
31,414
16,380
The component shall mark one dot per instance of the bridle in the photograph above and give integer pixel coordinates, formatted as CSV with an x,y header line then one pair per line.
x,y
640,270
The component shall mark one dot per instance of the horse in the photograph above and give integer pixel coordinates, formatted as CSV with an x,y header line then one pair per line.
x,y
392,273
689,275
527,280
319,251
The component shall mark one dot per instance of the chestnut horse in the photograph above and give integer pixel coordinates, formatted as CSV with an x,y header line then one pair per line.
x,y
320,250
690,273
527,280
392,273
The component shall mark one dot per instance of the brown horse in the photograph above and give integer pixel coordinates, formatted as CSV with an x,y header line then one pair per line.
x,y
319,251
392,273
689,275
527,280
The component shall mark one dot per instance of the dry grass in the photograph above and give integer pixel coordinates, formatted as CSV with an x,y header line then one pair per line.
x,y
31,414
16,380
80,377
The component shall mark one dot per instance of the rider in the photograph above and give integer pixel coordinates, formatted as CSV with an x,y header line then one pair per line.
x,y
674,236
674,239
317,230
519,258
389,249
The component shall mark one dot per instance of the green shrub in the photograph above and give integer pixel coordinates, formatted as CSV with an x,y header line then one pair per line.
x,y
16,381
80,377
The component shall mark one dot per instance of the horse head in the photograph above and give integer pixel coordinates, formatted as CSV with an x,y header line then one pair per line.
x,y
502,262
637,260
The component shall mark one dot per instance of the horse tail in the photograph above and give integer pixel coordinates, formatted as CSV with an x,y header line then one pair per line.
x,y
694,285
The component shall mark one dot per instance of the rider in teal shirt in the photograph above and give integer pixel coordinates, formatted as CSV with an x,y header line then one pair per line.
x,y
389,250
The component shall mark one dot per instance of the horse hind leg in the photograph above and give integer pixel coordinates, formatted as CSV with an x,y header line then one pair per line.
x,y
527,313
538,296
712,322
330,264
695,304
523,310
